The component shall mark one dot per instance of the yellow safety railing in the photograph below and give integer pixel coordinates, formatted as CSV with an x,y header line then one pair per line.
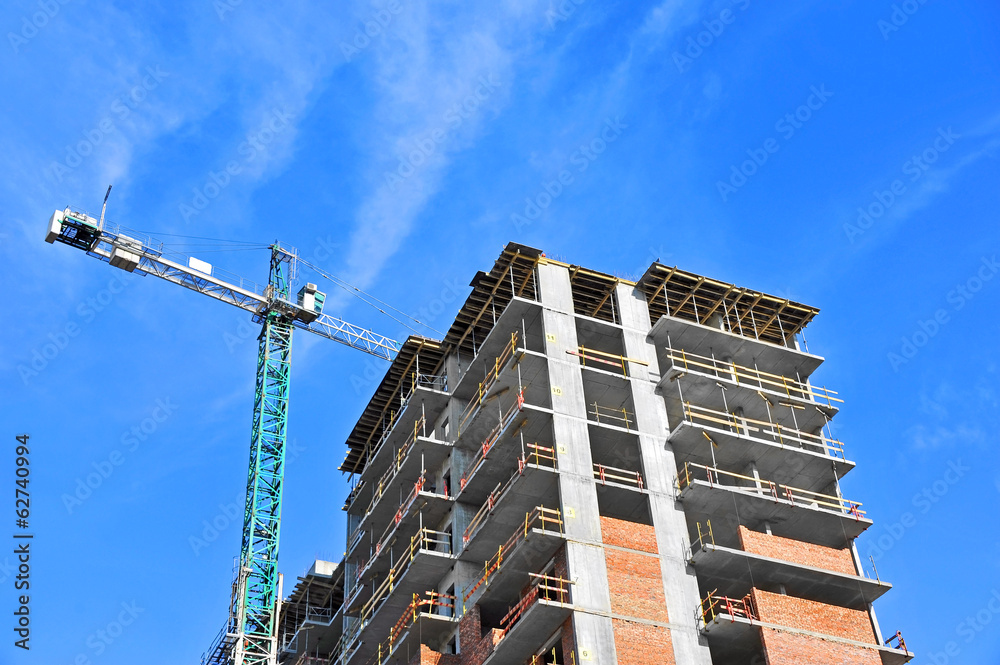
x,y
618,361
538,456
539,516
430,602
437,382
759,429
605,473
390,530
610,416
491,440
713,605
777,491
487,383
705,536
419,429
544,587
752,377
425,540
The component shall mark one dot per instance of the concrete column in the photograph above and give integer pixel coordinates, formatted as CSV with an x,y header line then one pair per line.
x,y
680,584
578,493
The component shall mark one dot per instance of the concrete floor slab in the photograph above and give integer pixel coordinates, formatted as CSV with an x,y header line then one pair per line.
x,y
697,338
784,464
734,571
724,504
536,624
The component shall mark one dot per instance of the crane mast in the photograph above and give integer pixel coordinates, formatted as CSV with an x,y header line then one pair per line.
x,y
250,634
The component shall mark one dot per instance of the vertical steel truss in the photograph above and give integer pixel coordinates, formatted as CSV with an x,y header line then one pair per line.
x,y
256,587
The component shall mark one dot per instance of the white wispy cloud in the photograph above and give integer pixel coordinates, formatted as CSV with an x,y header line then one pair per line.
x,y
440,78
950,417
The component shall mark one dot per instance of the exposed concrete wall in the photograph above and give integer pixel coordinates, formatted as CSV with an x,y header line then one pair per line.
x,y
578,494
680,584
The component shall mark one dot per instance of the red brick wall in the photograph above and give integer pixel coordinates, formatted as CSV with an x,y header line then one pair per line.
x,y
568,641
475,646
813,616
782,648
796,551
430,657
629,535
636,588
642,644
636,585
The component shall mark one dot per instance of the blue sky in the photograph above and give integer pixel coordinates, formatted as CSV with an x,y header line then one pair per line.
x,y
403,162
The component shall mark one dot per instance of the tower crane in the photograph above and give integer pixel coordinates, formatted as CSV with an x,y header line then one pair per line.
x,y
250,634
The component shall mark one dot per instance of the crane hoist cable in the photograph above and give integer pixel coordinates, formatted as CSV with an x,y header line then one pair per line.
x,y
361,294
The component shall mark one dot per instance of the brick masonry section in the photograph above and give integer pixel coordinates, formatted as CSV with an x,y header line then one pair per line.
x,y
430,657
636,585
475,646
630,535
642,644
789,649
796,551
812,616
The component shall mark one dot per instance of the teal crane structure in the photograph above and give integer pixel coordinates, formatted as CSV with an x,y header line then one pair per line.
x,y
250,634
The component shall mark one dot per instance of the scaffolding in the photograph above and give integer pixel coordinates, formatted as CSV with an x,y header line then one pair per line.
x,y
681,294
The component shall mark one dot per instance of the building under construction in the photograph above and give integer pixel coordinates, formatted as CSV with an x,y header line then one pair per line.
x,y
588,469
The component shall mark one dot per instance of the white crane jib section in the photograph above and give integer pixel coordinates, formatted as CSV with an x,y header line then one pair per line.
x,y
132,251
